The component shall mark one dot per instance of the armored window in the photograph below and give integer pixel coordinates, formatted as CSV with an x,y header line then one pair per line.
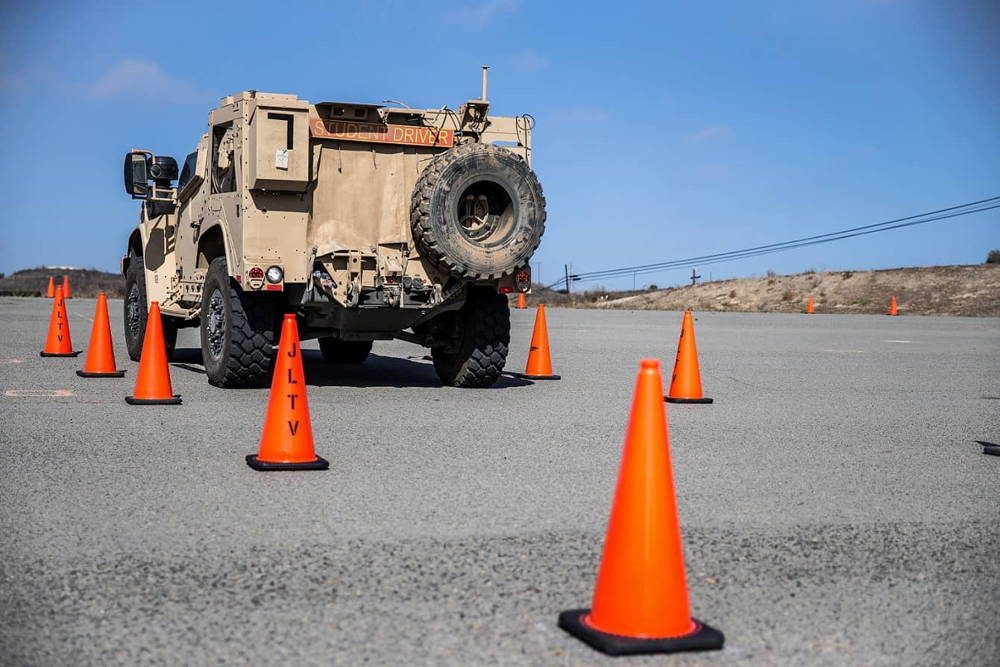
x,y
190,164
223,158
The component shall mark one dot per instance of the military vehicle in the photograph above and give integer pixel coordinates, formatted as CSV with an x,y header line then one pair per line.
x,y
369,222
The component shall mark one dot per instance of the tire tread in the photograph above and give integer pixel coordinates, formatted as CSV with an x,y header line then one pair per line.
x,y
251,336
484,354
420,206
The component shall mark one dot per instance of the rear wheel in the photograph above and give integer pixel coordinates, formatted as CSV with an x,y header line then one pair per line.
x,y
238,331
137,312
344,351
480,336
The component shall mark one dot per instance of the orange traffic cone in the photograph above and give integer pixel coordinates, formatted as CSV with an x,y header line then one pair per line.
x,y
101,353
65,286
51,291
539,366
640,600
58,343
522,301
685,385
810,309
893,310
152,382
287,440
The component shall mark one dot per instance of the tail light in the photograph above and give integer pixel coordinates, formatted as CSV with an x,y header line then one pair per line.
x,y
523,280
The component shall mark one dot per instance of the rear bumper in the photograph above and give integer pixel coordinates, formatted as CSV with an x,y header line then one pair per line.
x,y
367,322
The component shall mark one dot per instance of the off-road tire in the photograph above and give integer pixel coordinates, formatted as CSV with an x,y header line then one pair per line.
x,y
482,337
243,331
500,246
344,351
136,313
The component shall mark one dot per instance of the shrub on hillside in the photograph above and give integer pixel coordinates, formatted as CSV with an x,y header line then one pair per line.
x,y
993,257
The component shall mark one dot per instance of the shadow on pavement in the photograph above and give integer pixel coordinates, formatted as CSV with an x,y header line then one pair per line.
x,y
191,355
380,371
989,448
187,358
377,371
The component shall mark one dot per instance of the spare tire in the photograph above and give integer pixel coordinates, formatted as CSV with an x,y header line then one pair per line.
x,y
478,211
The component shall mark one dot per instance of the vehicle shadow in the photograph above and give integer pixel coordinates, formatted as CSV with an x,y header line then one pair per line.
x,y
377,371
187,358
381,371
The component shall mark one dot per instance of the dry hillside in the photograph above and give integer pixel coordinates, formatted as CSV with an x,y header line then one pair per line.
x,y
935,290
82,282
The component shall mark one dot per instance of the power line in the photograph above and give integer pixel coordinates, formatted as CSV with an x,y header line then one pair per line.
x,y
726,257
983,204
716,258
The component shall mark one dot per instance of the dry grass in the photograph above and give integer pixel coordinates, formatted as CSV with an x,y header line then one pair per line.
x,y
936,290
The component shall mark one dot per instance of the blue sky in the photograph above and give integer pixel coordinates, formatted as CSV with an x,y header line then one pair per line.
x,y
664,130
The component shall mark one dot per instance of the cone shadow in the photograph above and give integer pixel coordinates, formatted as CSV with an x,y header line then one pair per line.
x,y
989,448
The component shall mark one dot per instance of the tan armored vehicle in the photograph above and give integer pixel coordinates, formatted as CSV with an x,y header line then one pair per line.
x,y
368,222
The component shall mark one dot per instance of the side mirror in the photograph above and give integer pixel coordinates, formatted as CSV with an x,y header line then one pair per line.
x,y
136,176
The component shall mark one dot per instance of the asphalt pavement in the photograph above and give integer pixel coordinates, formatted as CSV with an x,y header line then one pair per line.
x,y
836,506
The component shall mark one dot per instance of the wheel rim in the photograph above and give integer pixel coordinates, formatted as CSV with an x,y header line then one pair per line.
x,y
134,312
215,323
486,210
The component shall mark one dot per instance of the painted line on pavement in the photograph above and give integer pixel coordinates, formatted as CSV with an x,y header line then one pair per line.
x,y
38,393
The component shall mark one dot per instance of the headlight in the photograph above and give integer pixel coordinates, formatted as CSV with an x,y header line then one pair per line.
x,y
274,274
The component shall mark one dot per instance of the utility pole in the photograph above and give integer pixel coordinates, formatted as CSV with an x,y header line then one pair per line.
x,y
566,269
694,276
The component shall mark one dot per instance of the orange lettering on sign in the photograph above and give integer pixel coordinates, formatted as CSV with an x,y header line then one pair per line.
x,y
385,134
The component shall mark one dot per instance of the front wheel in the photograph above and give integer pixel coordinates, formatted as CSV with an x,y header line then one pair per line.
x,y
238,331
137,312
480,336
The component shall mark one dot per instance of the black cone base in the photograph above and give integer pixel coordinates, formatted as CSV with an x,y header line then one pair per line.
x,y
116,374
319,464
525,376
131,400
668,399
991,449
56,354
704,638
